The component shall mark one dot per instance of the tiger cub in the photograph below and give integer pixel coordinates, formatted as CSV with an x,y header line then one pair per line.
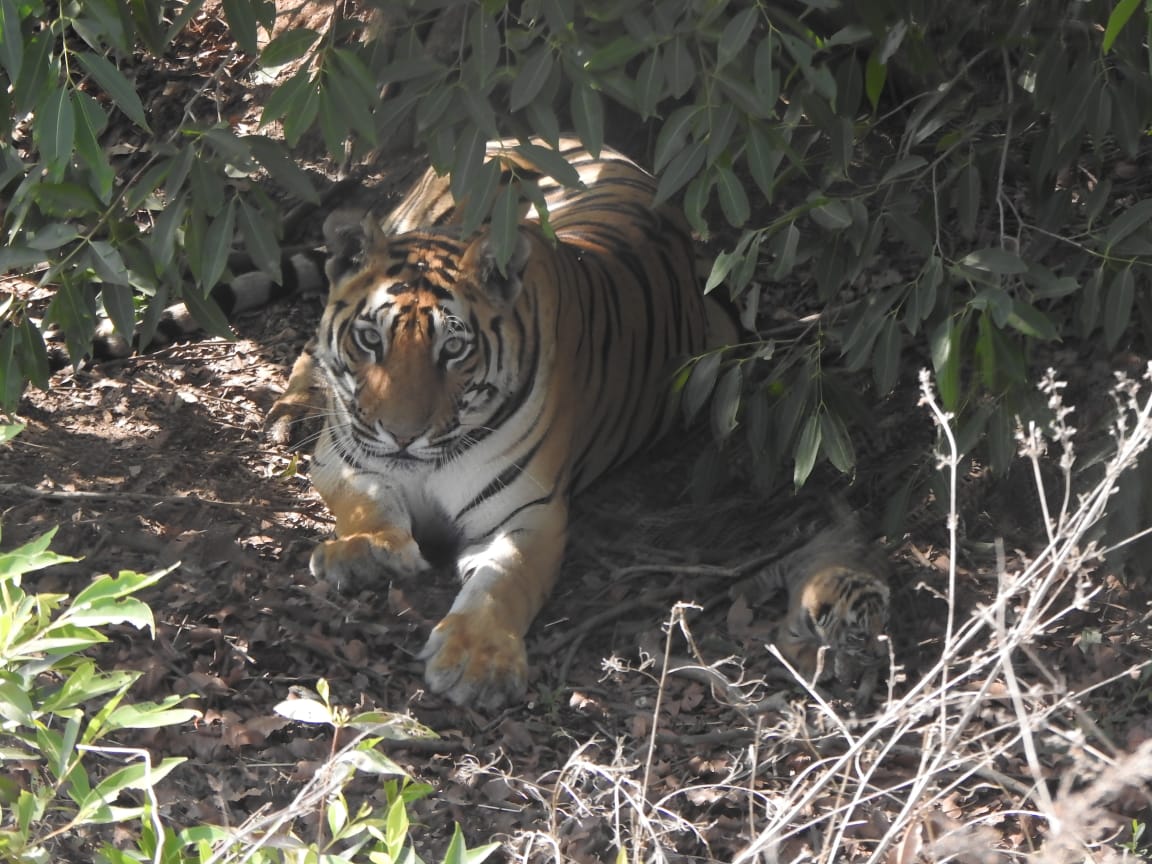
x,y
838,601
465,398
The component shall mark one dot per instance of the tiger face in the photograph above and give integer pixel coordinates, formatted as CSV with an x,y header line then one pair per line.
x,y
411,368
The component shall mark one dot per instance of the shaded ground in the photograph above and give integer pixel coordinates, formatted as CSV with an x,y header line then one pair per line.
x,y
160,459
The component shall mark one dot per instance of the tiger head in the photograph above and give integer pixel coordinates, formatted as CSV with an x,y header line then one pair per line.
x,y
418,343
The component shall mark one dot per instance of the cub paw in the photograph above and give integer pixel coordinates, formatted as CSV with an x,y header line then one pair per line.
x,y
292,419
474,659
360,560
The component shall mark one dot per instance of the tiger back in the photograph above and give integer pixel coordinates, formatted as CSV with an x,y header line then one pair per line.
x,y
468,400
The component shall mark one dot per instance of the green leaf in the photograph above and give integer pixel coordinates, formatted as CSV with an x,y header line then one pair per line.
x,y
71,308
208,314
735,35
721,125
91,121
902,167
217,246
1116,21
1118,306
968,200
701,381
679,67
50,236
886,356
733,198
832,215
8,431
120,308
945,344
783,247
55,130
1030,321
11,378
995,260
673,135
616,53
588,117
484,43
150,715
470,149
458,852
1128,221
807,448
242,22
288,46
93,808
649,84
284,170
301,112
763,159
683,167
305,711
836,442
371,762
108,263
550,162
875,74
531,77
11,40
504,226
32,355
260,241
118,88
31,556
765,77
726,403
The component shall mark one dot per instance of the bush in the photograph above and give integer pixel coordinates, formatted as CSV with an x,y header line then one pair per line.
x,y
981,149
59,710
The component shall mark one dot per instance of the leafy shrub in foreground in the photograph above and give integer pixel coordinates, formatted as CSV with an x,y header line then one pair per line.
x,y
58,711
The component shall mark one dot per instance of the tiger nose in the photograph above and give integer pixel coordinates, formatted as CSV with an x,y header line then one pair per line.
x,y
402,441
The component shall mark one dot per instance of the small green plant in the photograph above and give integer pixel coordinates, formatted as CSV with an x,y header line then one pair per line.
x,y
58,710
1133,845
57,707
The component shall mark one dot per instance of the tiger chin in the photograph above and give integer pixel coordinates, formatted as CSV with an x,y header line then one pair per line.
x,y
469,399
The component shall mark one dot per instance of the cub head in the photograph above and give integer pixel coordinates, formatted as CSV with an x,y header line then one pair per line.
x,y
420,341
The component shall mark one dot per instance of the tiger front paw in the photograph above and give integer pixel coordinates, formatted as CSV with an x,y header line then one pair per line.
x,y
474,658
360,560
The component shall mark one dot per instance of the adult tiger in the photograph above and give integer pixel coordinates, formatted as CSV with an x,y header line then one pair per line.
x,y
467,401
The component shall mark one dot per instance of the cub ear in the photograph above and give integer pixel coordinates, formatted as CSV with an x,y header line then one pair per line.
x,y
349,236
481,258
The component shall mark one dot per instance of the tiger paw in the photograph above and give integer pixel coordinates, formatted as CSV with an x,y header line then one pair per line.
x,y
474,659
361,560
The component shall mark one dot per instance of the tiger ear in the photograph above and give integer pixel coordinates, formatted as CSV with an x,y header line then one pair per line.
x,y
481,260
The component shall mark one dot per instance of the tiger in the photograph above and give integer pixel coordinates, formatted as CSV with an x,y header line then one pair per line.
x,y
469,400
838,608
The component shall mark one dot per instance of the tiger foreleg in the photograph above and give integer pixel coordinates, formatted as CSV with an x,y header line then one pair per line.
x,y
373,536
476,654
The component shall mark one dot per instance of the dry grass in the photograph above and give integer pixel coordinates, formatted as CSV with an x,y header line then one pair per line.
x,y
990,722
